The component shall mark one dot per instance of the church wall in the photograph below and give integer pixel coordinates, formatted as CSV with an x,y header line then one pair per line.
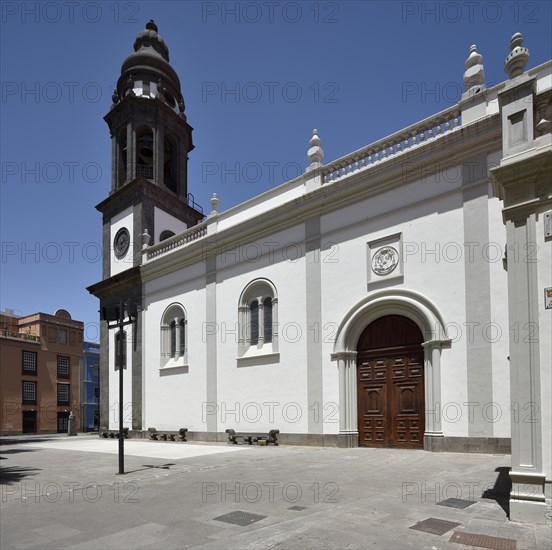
x,y
500,333
174,397
438,266
266,392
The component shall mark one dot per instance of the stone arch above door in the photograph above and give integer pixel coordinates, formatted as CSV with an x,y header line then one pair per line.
x,y
426,315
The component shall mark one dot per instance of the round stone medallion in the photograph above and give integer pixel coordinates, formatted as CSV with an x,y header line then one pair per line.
x,y
385,260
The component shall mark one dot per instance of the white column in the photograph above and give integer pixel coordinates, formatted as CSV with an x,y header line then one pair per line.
x,y
176,337
348,414
433,435
260,317
342,396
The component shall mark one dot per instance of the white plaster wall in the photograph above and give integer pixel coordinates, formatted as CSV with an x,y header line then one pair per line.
x,y
499,413
174,397
249,386
123,219
165,222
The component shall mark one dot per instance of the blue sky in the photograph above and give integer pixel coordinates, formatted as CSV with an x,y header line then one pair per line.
x,y
257,77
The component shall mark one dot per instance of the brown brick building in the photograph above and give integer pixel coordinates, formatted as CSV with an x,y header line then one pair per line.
x,y
40,360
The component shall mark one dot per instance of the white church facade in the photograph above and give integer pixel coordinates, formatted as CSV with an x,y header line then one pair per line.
x,y
395,297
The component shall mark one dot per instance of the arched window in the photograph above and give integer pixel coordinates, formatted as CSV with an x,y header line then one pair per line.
x,y
166,235
122,158
174,338
144,152
254,322
170,164
267,308
182,339
258,319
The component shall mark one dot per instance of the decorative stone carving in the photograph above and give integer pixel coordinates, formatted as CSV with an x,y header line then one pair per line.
x,y
315,154
474,74
514,64
215,203
146,238
385,260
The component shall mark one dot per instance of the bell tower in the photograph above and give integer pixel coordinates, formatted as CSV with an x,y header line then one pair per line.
x,y
148,201
151,139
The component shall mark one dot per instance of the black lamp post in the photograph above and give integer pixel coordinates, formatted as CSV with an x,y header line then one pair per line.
x,y
117,315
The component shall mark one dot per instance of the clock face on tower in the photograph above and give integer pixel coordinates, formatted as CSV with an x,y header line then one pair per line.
x,y
121,242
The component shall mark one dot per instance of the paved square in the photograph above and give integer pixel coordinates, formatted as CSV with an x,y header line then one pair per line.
x,y
59,492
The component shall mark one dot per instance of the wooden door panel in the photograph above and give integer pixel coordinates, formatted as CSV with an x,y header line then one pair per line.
x,y
391,388
373,417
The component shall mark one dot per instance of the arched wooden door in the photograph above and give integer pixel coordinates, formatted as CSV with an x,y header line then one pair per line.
x,y
390,382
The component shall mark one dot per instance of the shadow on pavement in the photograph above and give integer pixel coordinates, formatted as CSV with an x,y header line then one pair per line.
x,y
14,474
18,440
501,490
152,466
15,451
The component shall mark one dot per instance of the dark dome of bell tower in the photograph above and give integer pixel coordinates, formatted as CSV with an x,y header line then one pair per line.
x,y
147,72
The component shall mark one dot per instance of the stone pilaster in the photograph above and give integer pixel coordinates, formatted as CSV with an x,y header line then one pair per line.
x,y
348,413
522,181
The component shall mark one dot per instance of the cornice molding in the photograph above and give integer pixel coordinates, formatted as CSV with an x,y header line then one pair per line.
x,y
463,144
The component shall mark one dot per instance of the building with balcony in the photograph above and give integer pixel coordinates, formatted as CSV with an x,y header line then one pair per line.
x,y
40,358
376,300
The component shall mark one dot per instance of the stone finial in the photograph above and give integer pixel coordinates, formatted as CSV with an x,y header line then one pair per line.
x,y
215,203
474,74
315,154
151,26
515,62
146,238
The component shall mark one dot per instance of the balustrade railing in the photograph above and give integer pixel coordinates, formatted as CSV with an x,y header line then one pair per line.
x,y
400,142
191,235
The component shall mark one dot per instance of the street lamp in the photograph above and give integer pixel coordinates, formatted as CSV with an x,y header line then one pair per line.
x,y
117,314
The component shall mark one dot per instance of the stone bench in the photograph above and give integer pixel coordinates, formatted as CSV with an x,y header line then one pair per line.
x,y
259,439
167,435
113,434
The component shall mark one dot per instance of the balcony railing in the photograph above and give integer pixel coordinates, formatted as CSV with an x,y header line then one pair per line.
x,y
193,234
20,336
409,138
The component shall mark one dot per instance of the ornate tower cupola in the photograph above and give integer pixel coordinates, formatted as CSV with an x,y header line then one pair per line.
x,y
151,137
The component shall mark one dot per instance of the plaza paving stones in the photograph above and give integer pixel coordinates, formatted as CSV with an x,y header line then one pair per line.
x,y
435,526
456,503
59,492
